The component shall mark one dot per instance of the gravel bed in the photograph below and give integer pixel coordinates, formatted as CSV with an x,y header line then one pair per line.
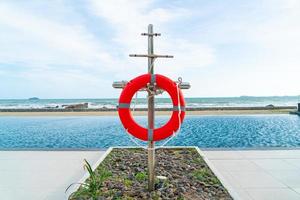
x,y
183,174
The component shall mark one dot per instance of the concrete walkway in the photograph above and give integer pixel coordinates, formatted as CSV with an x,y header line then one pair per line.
x,y
253,175
41,175
260,175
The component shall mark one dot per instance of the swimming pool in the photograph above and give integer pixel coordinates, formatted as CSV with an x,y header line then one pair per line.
x,y
239,131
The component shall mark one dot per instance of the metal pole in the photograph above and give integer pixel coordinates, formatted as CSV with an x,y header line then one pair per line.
x,y
151,151
151,89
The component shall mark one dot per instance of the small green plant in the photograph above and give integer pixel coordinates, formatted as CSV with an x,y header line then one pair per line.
x,y
155,196
127,182
180,198
128,198
92,187
141,176
197,160
177,153
206,176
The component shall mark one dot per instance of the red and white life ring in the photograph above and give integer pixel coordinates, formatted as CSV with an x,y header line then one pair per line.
x,y
134,128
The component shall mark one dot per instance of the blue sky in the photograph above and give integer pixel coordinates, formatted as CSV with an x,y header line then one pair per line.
x,y
76,49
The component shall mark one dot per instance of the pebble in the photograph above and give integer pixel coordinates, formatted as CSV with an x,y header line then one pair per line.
x,y
182,189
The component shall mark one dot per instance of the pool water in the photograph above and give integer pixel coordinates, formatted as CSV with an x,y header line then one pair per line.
x,y
239,131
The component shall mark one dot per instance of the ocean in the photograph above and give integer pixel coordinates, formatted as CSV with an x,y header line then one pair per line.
x,y
242,101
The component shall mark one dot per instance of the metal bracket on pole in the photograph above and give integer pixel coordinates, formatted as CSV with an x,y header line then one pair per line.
x,y
122,84
150,34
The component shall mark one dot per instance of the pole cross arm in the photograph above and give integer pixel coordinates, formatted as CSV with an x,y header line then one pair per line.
x,y
122,84
151,56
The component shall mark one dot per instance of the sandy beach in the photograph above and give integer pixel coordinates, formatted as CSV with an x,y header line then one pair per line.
x,y
141,113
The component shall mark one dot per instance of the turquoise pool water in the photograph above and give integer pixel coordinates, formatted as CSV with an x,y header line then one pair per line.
x,y
242,131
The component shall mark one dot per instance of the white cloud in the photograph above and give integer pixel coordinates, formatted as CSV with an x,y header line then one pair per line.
x,y
42,41
130,18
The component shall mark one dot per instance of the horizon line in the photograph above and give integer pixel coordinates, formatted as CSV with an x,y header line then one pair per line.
x,y
242,96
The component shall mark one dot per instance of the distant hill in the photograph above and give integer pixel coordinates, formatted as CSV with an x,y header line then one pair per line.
x,y
33,98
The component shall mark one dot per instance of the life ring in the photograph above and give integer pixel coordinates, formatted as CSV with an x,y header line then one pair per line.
x,y
134,128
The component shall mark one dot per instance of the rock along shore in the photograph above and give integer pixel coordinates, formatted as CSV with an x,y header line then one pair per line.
x,y
145,109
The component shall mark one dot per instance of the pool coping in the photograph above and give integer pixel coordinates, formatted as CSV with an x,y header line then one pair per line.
x,y
225,183
202,148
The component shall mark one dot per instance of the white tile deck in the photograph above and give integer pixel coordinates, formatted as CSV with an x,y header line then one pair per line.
x,y
39,175
260,175
273,194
